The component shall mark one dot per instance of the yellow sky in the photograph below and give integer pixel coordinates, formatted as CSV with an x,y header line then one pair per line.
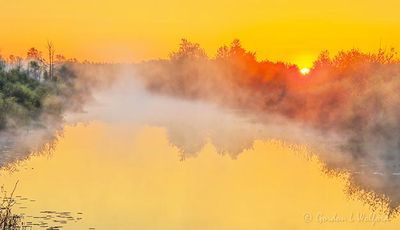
x,y
129,30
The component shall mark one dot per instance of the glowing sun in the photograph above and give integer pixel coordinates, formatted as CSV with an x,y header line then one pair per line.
x,y
305,71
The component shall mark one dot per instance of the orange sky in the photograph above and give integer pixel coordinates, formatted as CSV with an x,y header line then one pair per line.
x,y
122,30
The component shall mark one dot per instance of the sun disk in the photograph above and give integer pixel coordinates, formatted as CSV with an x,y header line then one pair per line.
x,y
305,71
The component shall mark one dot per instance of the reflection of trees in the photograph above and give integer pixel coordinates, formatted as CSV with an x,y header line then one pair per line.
x,y
33,103
352,94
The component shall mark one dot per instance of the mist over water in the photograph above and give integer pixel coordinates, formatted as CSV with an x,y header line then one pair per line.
x,y
189,124
125,124
346,106
18,145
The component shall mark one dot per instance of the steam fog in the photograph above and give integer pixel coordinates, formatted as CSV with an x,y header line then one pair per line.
x,y
345,110
190,124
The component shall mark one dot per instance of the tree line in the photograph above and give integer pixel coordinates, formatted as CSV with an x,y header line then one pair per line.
x,y
36,91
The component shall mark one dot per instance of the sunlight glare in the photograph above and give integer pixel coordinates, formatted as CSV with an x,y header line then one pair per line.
x,y
305,71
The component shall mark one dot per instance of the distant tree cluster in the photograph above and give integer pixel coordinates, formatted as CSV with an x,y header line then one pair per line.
x,y
353,93
34,91
235,77
191,73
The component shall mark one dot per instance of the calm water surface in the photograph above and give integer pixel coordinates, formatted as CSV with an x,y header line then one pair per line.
x,y
122,176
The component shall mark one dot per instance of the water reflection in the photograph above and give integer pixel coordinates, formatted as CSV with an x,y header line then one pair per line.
x,y
19,144
125,177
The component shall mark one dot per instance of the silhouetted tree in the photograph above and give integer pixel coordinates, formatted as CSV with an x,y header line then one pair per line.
x,y
323,60
188,51
60,59
34,54
51,53
235,52
2,63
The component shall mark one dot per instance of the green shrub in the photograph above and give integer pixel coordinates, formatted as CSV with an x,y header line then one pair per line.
x,y
25,99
